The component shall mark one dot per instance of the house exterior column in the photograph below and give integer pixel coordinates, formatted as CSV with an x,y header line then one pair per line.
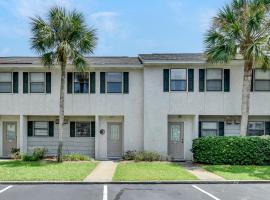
x,y
196,126
97,137
23,134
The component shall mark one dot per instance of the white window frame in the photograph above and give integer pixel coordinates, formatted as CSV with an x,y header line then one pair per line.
x,y
44,82
255,80
107,82
206,79
34,128
74,74
255,128
76,135
11,74
186,80
217,129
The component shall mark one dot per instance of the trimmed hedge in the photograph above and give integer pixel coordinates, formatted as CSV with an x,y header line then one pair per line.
x,y
232,150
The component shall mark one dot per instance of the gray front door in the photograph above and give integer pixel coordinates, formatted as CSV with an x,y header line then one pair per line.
x,y
9,137
114,140
176,141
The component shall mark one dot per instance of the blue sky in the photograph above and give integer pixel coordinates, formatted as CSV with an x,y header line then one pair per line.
x,y
125,27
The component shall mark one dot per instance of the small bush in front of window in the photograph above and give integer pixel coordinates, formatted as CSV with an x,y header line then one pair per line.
x,y
147,156
75,157
232,150
38,154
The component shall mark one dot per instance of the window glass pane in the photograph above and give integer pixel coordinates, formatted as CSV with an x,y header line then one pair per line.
x,y
209,125
175,133
255,128
114,77
214,85
114,87
177,85
5,87
82,129
81,77
5,77
41,128
260,74
37,87
179,74
214,74
81,87
209,133
37,77
262,85
115,132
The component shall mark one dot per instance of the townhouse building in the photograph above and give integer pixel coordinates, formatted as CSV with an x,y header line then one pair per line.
x,y
153,102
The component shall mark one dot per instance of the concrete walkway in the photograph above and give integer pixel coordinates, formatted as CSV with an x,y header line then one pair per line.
x,y
103,172
200,173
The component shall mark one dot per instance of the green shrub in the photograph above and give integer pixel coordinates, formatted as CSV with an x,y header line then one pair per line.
x,y
129,155
147,156
38,154
232,150
75,157
15,153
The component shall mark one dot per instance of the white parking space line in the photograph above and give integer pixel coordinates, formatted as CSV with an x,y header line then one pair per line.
x,y
105,192
205,192
6,188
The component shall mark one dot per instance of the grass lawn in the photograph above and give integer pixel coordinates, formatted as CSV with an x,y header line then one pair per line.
x,y
148,171
236,172
45,171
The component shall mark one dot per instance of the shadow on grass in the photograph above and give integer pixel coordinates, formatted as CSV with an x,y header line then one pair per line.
x,y
8,164
257,172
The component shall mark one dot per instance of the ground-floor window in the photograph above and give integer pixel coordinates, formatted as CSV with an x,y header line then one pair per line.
x,y
209,129
82,129
41,128
256,128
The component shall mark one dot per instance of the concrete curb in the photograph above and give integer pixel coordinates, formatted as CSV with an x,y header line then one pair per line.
x,y
134,182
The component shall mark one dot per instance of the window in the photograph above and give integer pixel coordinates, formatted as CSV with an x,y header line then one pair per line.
x,y
209,129
41,128
5,82
262,80
255,128
81,82
37,82
82,129
178,79
214,79
114,82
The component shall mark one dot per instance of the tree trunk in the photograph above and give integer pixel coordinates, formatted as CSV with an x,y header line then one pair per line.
x,y
61,112
246,96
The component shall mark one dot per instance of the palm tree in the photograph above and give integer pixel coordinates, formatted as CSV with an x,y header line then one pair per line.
x,y
242,27
62,37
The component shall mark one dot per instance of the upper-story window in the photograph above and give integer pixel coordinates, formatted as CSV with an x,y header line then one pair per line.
x,y
262,80
178,80
5,82
214,79
81,82
114,82
37,82
209,129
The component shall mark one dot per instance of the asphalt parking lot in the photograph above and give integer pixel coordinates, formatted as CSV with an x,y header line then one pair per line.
x,y
134,191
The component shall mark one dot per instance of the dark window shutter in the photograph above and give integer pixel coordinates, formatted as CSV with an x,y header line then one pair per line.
x,y
30,128
102,82
190,80
221,128
166,80
69,82
226,80
15,82
51,128
93,129
48,82
200,129
92,82
126,82
72,129
201,80
25,82
267,128
252,81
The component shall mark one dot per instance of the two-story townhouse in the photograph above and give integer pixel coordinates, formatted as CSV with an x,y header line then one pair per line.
x,y
155,102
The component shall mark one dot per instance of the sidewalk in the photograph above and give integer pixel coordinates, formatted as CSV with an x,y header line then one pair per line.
x,y
200,173
103,172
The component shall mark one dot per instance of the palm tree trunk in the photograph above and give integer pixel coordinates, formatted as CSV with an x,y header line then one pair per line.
x,y
61,112
246,96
